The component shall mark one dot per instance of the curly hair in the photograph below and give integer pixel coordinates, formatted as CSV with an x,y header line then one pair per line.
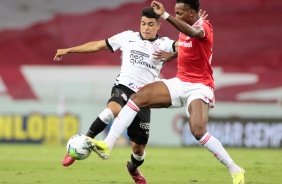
x,y
194,4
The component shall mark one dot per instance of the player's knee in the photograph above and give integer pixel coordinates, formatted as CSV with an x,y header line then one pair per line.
x,y
139,99
198,132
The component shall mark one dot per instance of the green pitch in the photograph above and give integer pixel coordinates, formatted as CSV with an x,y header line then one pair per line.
x,y
163,165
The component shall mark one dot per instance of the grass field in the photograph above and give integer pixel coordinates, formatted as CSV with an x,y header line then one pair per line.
x,y
163,165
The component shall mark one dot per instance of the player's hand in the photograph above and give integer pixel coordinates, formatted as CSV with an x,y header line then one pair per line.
x,y
60,53
163,56
203,14
158,7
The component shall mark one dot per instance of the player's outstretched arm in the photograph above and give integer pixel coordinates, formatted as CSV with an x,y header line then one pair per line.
x,y
89,47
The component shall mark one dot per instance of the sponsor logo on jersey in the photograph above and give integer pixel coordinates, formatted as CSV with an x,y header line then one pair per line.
x,y
144,125
185,44
136,52
133,86
137,58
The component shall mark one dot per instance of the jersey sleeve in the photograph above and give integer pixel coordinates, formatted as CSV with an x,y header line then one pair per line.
x,y
115,42
207,28
169,45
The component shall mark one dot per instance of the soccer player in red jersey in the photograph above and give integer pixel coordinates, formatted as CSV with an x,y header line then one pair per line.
x,y
192,88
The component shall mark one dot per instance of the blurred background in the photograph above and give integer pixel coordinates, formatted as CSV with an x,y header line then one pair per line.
x,y
46,102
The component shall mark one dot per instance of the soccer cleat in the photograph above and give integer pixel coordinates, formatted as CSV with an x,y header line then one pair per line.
x,y
239,178
99,147
68,160
136,176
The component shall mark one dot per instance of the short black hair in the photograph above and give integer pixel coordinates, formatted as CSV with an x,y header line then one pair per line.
x,y
194,4
150,13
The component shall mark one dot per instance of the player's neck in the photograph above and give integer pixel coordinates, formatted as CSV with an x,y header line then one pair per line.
x,y
196,19
151,39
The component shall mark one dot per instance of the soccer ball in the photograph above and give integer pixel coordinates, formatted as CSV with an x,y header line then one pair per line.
x,y
77,147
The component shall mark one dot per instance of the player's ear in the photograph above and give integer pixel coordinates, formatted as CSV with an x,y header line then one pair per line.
x,y
159,25
192,12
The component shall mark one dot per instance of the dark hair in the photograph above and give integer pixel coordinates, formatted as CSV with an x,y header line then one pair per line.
x,y
150,13
194,4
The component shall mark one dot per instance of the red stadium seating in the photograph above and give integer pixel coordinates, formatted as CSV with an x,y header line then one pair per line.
x,y
247,40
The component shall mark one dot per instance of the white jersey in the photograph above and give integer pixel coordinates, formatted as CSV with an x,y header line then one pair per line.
x,y
138,67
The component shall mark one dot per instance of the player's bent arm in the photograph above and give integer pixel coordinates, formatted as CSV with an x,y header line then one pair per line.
x,y
175,54
186,29
164,56
193,32
89,47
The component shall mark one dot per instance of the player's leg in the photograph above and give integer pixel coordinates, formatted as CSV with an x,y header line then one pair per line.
x,y
199,110
137,159
97,126
158,94
152,95
138,133
115,104
137,156
104,118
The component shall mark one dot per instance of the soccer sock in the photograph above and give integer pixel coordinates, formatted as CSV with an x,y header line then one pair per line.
x,y
121,122
214,146
136,161
100,123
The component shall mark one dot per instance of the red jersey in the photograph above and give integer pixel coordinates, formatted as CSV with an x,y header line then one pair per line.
x,y
195,55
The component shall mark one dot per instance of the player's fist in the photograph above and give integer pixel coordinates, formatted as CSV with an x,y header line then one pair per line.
x,y
158,7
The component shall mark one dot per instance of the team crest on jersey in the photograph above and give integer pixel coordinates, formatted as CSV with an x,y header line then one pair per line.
x,y
156,46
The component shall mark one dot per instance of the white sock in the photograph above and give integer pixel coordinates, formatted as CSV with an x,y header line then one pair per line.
x,y
106,116
139,158
214,146
121,122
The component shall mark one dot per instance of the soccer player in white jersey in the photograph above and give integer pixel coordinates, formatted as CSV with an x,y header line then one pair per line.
x,y
192,88
138,68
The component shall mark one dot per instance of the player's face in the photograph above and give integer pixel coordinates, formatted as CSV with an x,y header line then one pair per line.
x,y
149,28
184,12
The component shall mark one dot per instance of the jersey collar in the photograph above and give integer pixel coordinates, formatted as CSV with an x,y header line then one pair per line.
x,y
151,40
200,19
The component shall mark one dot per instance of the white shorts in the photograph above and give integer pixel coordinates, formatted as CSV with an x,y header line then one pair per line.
x,y
183,93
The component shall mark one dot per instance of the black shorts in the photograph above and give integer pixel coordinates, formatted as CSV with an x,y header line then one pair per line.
x,y
138,131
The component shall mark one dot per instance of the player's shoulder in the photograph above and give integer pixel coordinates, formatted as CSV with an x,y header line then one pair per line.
x,y
129,31
130,34
205,23
164,39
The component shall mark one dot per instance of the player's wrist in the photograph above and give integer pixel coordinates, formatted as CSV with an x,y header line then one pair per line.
x,y
165,15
